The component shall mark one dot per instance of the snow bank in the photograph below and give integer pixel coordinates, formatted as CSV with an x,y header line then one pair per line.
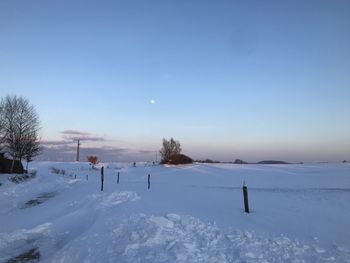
x,y
175,238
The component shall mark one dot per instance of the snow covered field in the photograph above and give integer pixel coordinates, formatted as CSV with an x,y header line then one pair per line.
x,y
194,213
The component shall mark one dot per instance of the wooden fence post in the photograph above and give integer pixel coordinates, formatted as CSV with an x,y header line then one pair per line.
x,y
149,181
245,197
102,177
118,178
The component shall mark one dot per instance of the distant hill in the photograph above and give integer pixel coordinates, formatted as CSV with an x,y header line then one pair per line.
x,y
272,162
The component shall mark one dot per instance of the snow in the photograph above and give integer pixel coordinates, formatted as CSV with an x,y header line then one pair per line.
x,y
192,213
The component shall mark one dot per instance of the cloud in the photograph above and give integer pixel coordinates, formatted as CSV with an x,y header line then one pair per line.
x,y
74,132
146,152
75,135
90,138
66,148
58,146
66,151
53,142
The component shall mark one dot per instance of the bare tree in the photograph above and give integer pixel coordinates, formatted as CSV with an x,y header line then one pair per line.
x,y
9,107
21,128
2,130
170,147
31,148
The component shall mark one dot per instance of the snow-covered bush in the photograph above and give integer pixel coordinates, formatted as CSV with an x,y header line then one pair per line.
x,y
18,178
55,170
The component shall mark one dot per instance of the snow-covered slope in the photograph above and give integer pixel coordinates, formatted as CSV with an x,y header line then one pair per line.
x,y
194,213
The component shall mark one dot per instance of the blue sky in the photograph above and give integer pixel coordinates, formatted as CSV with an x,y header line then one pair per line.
x,y
230,79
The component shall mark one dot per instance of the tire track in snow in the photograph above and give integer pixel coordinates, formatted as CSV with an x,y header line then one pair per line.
x,y
53,236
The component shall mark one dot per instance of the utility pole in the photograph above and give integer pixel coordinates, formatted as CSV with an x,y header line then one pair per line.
x,y
78,150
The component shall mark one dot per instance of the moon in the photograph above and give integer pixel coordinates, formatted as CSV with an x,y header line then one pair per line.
x,y
153,101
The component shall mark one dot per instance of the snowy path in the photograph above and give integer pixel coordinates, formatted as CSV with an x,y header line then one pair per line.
x,y
190,214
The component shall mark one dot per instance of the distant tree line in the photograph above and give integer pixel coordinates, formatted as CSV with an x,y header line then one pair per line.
x,y
207,161
19,129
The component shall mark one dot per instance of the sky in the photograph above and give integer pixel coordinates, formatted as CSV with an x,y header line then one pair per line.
x,y
253,80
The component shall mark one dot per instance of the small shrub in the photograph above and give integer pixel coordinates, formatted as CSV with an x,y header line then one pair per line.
x,y
57,171
92,159
32,173
54,170
18,178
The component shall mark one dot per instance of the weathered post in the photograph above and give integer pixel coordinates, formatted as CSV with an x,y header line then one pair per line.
x,y
102,177
118,178
78,150
149,181
245,197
